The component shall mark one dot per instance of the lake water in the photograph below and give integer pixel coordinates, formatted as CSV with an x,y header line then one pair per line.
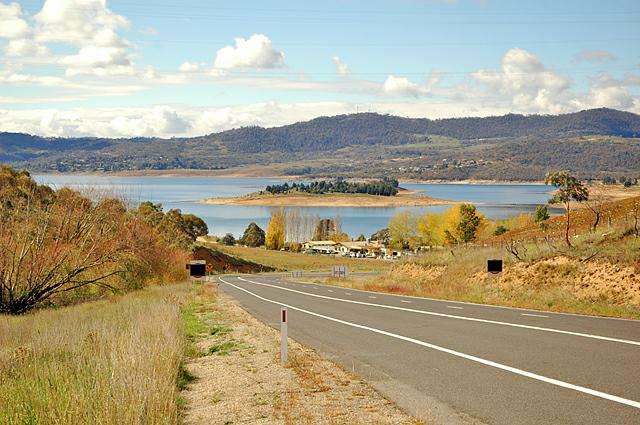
x,y
495,200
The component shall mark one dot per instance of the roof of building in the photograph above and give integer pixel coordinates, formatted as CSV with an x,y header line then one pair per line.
x,y
318,243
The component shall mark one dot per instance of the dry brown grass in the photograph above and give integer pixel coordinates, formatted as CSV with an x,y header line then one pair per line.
x,y
107,362
282,260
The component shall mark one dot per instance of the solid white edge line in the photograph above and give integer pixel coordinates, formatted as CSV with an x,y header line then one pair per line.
x,y
450,316
504,307
480,360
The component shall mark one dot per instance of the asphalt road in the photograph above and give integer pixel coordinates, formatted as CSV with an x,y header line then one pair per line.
x,y
451,362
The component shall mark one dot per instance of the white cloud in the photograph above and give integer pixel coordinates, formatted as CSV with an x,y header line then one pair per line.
x,y
256,52
22,47
12,25
526,83
189,67
341,67
99,60
401,86
159,121
594,56
90,26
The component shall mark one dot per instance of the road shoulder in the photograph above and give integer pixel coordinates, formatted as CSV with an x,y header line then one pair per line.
x,y
237,376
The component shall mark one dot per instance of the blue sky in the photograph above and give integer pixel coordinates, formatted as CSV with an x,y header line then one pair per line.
x,y
124,68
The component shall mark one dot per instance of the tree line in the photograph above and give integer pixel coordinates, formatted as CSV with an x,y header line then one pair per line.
x,y
383,187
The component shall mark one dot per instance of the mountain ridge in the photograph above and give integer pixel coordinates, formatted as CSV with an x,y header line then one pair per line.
x,y
355,136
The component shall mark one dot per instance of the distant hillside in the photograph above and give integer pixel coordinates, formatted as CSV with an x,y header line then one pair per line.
x,y
351,144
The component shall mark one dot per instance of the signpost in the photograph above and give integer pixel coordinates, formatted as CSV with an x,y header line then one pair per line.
x,y
339,271
283,335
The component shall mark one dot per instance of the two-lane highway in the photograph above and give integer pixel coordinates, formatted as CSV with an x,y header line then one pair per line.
x,y
458,362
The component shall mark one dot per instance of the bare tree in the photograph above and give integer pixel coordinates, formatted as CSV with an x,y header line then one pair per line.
x,y
595,203
67,245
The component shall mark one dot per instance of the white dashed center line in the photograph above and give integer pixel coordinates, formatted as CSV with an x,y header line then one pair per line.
x,y
534,315
371,296
405,301
456,307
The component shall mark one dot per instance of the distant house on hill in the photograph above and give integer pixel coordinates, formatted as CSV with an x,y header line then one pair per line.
x,y
320,247
361,249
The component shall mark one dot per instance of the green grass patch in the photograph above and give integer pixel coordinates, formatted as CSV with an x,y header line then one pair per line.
x,y
224,348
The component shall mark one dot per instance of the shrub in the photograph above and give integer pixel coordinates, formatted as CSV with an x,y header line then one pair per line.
x,y
253,236
61,246
228,240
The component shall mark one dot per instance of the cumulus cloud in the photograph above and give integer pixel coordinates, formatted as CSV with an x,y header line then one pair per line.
x,y
610,92
526,83
93,29
256,52
341,67
594,56
402,86
159,121
12,25
189,67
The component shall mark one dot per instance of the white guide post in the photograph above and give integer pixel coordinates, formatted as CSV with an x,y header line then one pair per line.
x,y
283,335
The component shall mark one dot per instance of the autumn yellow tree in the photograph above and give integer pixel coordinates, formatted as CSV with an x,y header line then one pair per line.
x,y
462,224
403,230
275,237
431,229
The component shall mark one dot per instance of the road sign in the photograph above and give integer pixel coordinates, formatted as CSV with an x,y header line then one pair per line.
x,y
494,266
197,268
339,271
283,335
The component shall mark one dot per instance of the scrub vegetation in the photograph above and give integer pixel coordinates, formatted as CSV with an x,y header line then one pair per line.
x,y
63,246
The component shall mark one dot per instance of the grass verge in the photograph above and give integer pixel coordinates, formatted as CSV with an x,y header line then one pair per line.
x,y
115,361
284,260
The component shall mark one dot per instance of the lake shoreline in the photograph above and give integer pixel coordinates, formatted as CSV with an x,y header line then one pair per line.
x,y
238,173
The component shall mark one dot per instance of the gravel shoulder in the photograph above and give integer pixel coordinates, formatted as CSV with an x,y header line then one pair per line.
x,y
237,377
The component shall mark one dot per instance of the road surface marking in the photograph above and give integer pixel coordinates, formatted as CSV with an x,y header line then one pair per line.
x,y
330,290
433,313
533,315
476,359
405,301
453,306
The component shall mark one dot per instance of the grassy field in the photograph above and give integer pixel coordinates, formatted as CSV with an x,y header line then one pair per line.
x,y
108,362
285,261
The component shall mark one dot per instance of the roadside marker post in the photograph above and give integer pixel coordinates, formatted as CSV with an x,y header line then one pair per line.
x,y
296,274
283,335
